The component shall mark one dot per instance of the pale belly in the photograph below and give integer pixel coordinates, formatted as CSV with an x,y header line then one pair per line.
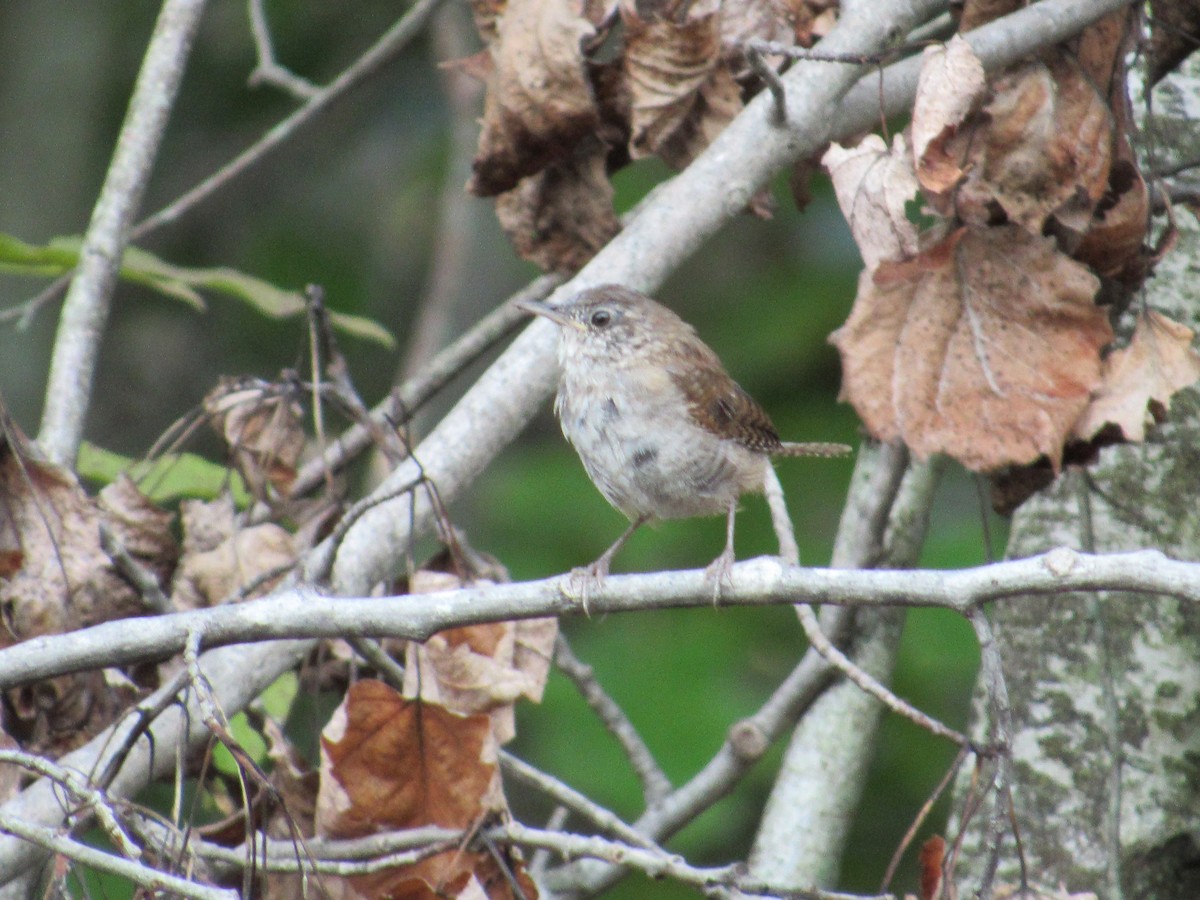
x,y
650,460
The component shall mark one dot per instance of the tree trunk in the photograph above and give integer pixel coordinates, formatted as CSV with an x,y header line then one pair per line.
x,y
1105,687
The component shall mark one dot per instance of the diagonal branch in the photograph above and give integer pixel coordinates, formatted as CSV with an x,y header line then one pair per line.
x,y
85,312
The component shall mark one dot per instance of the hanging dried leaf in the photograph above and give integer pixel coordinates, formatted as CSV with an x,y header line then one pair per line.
x,y
1114,242
1042,147
1139,380
873,187
60,578
951,86
985,347
390,763
262,425
560,217
480,668
683,95
930,860
539,101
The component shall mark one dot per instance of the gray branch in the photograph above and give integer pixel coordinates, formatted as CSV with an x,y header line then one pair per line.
x,y
301,613
85,311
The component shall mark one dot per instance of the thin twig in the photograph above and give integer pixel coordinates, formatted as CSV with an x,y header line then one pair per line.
x,y
381,52
85,312
268,70
78,785
655,784
567,796
408,398
754,56
816,637
922,815
389,670
150,879
143,580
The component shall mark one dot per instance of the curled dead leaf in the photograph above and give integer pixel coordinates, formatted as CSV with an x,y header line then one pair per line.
x,y
539,101
1041,148
560,217
951,86
262,425
480,668
873,187
1140,379
985,347
682,92
257,556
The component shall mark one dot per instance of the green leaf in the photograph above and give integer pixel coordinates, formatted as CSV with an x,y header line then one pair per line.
x,y
182,283
170,477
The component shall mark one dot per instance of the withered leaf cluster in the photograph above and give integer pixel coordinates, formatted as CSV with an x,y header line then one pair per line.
x,y
577,89
981,336
428,755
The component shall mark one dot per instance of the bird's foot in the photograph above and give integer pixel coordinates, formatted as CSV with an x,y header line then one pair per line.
x,y
584,579
719,573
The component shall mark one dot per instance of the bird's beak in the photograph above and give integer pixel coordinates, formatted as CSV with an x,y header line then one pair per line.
x,y
549,312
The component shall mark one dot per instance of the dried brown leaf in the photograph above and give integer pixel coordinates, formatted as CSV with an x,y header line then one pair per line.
x,y
1140,379
390,763
951,86
930,859
62,578
1042,147
262,426
560,217
209,577
539,101
682,92
873,187
480,668
985,347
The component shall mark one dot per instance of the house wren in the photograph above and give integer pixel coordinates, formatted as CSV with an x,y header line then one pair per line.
x,y
662,429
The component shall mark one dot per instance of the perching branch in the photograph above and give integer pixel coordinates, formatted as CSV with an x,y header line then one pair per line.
x,y
296,613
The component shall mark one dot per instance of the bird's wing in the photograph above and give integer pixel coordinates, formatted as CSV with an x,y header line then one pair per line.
x,y
717,402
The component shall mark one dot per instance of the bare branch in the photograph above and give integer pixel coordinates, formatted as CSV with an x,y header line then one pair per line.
x,y
301,613
85,312
268,71
655,785
380,52
151,879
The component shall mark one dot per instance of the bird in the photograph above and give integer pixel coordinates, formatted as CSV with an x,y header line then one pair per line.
x,y
662,430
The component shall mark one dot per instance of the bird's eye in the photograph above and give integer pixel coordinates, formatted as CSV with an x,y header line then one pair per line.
x,y
601,318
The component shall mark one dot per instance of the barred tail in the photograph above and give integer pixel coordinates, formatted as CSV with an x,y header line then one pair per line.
x,y
790,449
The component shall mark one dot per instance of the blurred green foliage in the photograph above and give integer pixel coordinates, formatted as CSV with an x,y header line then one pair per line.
x,y
349,203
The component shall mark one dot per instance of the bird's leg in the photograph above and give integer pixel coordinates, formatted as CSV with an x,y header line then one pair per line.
x,y
593,575
718,570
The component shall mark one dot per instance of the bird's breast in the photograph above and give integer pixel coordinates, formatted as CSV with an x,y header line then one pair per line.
x,y
643,450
